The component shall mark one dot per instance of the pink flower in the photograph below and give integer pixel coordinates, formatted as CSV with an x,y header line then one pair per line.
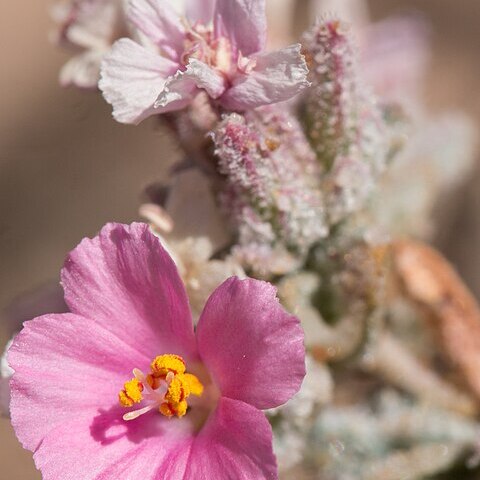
x,y
216,47
129,311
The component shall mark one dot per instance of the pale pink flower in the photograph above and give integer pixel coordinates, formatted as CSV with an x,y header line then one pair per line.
x,y
217,48
129,307
89,28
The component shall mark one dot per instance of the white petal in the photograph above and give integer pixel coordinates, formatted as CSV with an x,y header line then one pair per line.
x,y
5,373
243,22
200,10
180,89
277,76
95,25
161,23
82,70
206,78
131,79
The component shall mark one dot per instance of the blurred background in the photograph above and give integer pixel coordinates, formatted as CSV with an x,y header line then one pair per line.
x,y
66,167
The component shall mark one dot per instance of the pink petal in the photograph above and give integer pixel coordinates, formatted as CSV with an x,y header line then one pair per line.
x,y
131,78
125,280
180,89
159,21
235,444
251,346
278,76
66,367
244,22
108,448
200,10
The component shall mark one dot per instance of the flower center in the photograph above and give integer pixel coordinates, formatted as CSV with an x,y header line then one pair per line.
x,y
165,389
200,44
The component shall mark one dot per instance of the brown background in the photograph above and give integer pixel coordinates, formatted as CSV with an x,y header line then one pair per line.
x,y
66,167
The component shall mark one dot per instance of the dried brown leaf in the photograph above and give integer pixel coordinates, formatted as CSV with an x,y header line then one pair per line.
x,y
431,281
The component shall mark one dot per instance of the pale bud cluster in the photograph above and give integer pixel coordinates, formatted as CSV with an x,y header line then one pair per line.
x,y
270,185
343,122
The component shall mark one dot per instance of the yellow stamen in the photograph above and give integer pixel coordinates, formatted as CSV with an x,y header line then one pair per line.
x,y
164,364
169,410
178,389
181,409
165,410
131,393
194,384
167,388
